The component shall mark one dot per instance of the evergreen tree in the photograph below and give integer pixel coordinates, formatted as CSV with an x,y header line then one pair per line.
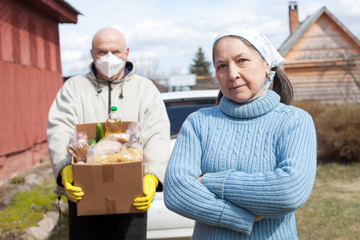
x,y
200,66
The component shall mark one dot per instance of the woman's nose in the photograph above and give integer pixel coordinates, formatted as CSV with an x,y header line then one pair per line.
x,y
234,72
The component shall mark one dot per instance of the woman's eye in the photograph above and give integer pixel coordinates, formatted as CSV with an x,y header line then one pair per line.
x,y
242,60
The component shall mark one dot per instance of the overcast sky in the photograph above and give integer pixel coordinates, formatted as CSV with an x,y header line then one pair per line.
x,y
164,35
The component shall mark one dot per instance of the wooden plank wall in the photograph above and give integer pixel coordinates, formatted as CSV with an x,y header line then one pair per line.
x,y
30,76
324,63
326,85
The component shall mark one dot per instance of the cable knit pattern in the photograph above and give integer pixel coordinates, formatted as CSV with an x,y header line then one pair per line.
x,y
256,159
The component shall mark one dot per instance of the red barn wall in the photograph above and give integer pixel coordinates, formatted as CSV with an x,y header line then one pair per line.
x,y
30,76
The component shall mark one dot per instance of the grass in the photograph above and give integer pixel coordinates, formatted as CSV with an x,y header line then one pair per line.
x,y
333,208
331,212
27,208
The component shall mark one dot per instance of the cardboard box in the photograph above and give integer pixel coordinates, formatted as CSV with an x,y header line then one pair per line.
x,y
109,188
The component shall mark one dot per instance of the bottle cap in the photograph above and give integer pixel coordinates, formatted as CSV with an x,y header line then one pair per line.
x,y
113,108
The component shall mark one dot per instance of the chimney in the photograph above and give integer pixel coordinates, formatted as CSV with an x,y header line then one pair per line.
x,y
293,15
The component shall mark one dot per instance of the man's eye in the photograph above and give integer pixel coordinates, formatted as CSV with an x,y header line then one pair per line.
x,y
221,66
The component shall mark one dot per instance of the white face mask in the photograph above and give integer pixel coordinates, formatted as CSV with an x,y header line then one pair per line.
x,y
109,64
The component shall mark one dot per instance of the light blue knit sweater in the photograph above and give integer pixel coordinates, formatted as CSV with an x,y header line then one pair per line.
x,y
257,159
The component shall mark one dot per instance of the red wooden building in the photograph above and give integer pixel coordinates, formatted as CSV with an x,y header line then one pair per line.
x,y
30,76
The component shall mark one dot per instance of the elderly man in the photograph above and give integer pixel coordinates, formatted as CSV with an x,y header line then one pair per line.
x,y
85,99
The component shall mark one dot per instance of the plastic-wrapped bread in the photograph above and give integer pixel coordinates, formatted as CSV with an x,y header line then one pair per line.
x,y
108,151
126,154
118,137
78,148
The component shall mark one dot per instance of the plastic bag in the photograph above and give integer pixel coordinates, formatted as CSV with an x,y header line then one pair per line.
x,y
118,147
134,132
78,148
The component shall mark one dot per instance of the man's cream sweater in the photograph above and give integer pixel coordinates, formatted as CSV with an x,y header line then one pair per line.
x,y
86,99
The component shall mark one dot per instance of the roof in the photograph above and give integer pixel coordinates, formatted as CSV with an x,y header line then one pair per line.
x,y
302,28
59,10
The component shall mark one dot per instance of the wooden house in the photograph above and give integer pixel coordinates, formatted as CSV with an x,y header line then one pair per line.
x,y
30,76
322,58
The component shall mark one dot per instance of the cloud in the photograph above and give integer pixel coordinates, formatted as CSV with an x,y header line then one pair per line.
x,y
352,7
159,33
76,67
75,41
170,32
71,55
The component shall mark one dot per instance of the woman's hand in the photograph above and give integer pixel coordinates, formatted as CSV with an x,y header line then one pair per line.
x,y
258,218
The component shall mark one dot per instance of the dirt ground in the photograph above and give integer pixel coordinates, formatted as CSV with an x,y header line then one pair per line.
x,y
25,182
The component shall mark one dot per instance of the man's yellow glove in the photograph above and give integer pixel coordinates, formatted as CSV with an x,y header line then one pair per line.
x,y
75,193
150,183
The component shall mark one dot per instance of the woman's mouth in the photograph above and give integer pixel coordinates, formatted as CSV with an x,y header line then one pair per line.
x,y
237,86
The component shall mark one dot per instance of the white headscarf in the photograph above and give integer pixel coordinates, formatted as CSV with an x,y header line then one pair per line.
x,y
260,42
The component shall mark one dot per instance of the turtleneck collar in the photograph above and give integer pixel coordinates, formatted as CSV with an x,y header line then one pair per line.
x,y
250,109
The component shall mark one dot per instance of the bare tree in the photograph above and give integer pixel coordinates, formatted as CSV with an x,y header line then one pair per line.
x,y
350,65
352,68
146,66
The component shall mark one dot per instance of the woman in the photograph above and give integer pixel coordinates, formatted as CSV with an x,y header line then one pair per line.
x,y
241,169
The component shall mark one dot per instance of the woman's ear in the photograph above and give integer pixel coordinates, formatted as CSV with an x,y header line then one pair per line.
x,y
267,69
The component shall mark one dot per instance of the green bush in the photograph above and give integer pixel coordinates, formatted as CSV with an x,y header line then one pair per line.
x,y
337,130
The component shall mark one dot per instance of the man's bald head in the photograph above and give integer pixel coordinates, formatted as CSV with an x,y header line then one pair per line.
x,y
109,40
108,34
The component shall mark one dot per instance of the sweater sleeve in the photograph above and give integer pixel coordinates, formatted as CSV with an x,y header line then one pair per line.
x,y
156,135
186,196
62,119
279,192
